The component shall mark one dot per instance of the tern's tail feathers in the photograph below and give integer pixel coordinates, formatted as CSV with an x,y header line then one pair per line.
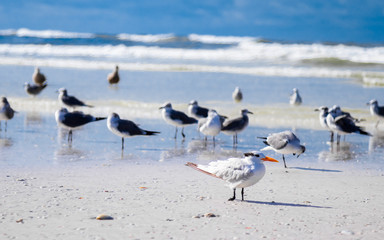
x,y
150,132
267,148
194,166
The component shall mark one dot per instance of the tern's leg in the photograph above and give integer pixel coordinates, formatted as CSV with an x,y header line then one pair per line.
x,y
182,132
285,165
242,194
377,124
122,143
214,143
338,139
6,125
331,137
234,195
175,133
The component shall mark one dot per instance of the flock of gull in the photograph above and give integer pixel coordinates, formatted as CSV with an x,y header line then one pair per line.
x,y
237,172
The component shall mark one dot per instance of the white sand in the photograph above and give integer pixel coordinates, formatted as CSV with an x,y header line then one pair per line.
x,y
61,202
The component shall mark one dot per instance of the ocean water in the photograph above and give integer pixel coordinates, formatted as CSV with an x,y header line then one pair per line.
x,y
155,69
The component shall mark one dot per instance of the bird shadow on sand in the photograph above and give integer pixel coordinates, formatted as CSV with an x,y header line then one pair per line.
x,y
285,204
315,169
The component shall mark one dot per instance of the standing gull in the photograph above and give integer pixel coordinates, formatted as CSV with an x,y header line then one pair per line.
x,y
342,124
237,125
34,89
323,119
70,101
195,111
6,112
73,120
285,143
125,128
376,110
237,172
237,95
176,118
113,77
295,98
38,77
211,125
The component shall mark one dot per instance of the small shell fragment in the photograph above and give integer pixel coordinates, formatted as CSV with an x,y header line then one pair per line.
x,y
104,217
209,215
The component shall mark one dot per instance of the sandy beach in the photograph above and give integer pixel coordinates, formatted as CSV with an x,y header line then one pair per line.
x,y
171,201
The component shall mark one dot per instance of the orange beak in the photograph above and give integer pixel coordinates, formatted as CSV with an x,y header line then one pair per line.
x,y
269,159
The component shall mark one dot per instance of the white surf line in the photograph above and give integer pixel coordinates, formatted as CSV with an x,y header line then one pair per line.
x,y
279,71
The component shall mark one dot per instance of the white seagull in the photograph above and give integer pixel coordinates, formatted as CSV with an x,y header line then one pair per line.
x,y
237,172
176,118
211,125
237,95
237,125
38,77
284,143
73,120
376,110
125,128
295,98
6,112
70,101
195,111
343,124
323,119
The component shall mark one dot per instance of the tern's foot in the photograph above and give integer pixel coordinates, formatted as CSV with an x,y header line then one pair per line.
x,y
231,199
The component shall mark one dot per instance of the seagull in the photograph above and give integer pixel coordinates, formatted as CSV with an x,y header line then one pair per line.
x,y
342,124
339,112
295,98
125,128
34,89
376,110
38,77
70,101
176,118
285,143
113,77
237,172
237,125
237,95
73,120
6,112
323,119
195,111
211,125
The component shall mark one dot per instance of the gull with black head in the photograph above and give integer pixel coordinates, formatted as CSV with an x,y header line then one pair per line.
x,y
236,125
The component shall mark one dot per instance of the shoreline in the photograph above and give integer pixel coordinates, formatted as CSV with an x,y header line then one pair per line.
x,y
169,201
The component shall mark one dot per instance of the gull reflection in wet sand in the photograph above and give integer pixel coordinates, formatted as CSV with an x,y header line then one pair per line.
x,y
376,141
341,152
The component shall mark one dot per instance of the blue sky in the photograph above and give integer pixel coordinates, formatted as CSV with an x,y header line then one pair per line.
x,y
286,20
